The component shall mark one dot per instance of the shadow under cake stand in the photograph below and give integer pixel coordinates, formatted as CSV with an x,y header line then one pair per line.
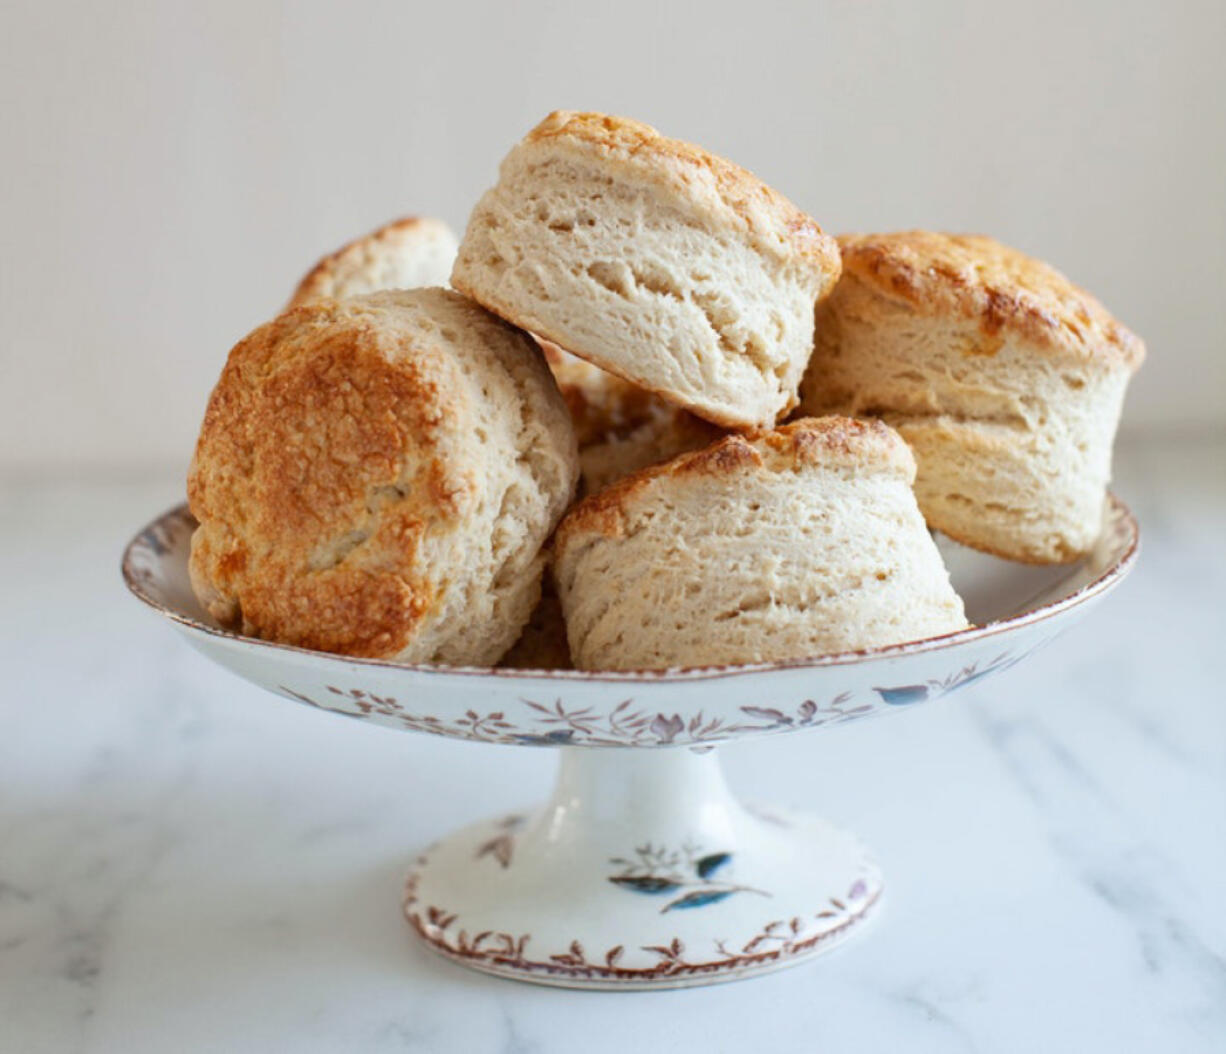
x,y
642,870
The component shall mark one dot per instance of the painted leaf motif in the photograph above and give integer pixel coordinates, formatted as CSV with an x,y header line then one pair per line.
x,y
500,848
699,898
767,713
708,865
646,883
660,950
971,678
910,693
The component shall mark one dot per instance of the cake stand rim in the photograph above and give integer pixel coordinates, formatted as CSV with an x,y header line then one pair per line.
x,y
1108,579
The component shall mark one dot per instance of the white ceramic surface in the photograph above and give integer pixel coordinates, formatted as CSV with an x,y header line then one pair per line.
x,y
642,871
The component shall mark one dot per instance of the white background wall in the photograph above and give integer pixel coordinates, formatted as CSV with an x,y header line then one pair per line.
x,y
170,169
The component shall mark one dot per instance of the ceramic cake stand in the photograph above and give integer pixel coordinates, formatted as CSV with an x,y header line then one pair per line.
x,y
642,871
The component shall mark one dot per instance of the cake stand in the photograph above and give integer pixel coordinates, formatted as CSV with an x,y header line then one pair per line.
x,y
642,870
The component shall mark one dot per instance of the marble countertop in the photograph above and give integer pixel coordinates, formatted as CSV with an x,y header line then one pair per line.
x,y
187,864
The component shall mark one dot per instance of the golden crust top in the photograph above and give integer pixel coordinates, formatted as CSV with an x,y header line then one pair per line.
x,y
813,442
323,420
1004,289
763,210
362,254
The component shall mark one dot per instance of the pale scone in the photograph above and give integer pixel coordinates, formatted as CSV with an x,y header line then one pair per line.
x,y
778,545
654,260
377,477
1005,378
408,253
542,645
620,427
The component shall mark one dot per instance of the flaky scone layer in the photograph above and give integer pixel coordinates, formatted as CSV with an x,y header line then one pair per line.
x,y
1005,378
787,544
654,260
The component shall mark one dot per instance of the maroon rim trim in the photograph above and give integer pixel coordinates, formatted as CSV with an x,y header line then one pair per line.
x,y
1110,577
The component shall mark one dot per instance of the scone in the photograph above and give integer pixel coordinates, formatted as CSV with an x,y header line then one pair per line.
x,y
654,260
779,545
542,645
408,253
620,428
1004,377
377,476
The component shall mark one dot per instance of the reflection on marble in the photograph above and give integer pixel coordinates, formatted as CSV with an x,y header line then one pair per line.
x,y
187,864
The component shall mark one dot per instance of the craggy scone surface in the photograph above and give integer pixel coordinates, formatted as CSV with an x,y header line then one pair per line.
x,y
407,253
975,276
721,188
376,477
1005,379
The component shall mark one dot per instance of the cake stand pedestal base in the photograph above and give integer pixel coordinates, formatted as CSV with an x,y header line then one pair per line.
x,y
641,871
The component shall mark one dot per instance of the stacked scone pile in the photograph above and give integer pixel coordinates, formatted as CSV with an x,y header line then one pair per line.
x,y
762,423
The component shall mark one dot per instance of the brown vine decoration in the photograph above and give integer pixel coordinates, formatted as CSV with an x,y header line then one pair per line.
x,y
505,952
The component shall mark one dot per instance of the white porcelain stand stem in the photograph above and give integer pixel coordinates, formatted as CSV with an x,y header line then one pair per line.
x,y
641,871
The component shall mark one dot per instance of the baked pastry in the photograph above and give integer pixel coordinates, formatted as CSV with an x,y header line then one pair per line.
x,y
408,253
620,428
377,476
779,545
654,260
542,645
1004,377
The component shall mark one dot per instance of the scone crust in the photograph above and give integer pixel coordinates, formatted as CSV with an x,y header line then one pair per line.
x,y
360,261
338,485
619,426
759,209
295,487
600,403
832,442
654,260
977,277
542,645
813,534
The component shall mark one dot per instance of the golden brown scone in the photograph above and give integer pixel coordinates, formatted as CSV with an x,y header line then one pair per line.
x,y
652,259
763,547
377,477
1005,378
620,428
408,253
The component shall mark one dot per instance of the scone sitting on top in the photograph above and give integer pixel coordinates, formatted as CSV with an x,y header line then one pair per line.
x,y
1005,378
779,545
408,253
654,260
377,476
